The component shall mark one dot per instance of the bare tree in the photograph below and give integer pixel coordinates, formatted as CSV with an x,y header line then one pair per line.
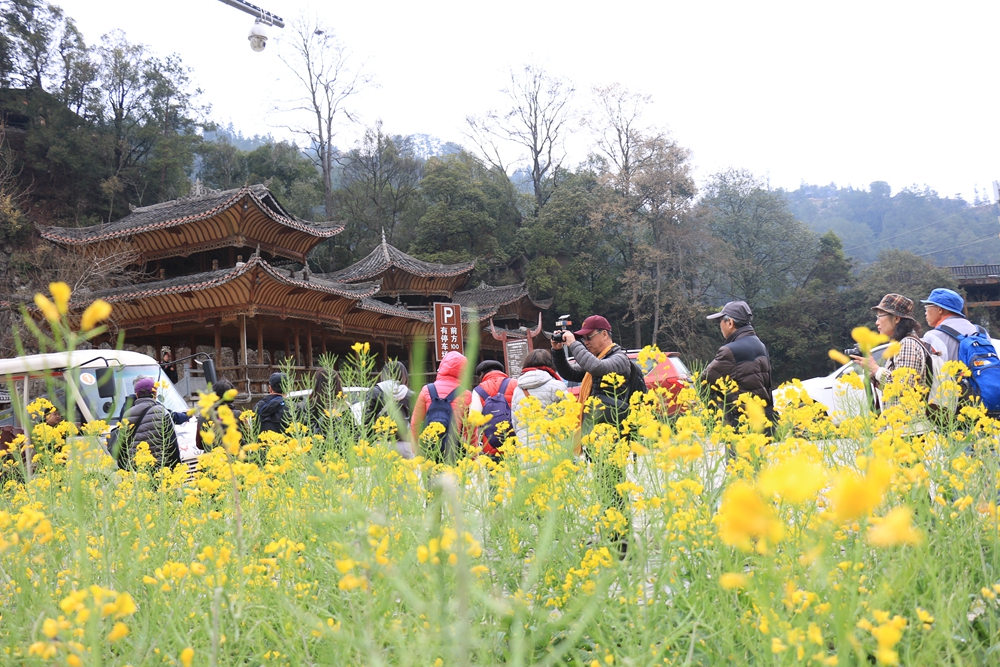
x,y
321,63
379,184
648,192
536,122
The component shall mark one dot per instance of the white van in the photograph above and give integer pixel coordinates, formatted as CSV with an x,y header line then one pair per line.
x,y
97,382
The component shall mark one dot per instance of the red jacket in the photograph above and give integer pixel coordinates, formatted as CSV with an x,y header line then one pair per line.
x,y
449,376
491,384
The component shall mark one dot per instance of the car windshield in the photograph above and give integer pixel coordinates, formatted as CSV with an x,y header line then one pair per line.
x,y
113,407
679,366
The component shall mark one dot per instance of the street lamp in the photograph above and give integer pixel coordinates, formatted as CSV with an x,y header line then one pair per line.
x,y
258,32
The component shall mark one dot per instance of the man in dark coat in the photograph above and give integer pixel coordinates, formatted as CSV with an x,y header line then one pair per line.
x,y
271,411
743,359
149,422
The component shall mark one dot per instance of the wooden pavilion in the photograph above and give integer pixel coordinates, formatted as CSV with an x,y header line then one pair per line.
x,y
227,273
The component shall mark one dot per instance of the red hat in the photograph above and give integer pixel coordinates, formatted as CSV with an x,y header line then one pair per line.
x,y
593,323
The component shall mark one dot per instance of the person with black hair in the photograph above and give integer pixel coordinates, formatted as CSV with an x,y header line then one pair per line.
x,y
393,388
491,381
894,318
743,359
271,411
540,381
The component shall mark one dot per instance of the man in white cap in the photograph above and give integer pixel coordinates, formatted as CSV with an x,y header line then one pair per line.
x,y
742,358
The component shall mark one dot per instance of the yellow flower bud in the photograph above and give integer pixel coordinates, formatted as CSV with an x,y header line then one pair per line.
x,y
60,293
96,313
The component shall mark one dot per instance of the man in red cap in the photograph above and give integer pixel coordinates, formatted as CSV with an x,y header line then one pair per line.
x,y
596,356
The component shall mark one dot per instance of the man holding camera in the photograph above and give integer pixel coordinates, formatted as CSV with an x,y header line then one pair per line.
x,y
743,359
596,356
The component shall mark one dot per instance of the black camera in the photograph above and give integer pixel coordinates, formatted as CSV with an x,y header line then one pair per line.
x,y
563,325
853,352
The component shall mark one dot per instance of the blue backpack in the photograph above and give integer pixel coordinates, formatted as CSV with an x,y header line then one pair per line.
x,y
497,406
976,351
440,412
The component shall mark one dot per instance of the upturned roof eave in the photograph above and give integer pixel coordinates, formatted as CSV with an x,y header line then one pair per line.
x,y
81,236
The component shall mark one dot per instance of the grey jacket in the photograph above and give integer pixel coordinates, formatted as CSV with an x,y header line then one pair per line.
x,y
538,384
616,361
150,422
945,344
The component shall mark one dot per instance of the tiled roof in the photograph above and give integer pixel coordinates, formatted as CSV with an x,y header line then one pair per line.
x,y
376,306
210,279
204,204
485,296
385,256
975,270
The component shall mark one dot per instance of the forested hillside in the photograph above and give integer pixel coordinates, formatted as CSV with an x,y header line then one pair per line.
x,y
91,130
947,230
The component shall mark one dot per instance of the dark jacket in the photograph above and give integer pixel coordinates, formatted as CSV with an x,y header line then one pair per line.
x,y
744,359
615,361
149,422
272,413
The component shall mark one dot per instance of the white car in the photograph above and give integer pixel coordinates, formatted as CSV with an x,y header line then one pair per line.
x,y
841,398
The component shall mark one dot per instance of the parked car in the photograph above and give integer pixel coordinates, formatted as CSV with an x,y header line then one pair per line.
x,y
99,384
840,398
671,373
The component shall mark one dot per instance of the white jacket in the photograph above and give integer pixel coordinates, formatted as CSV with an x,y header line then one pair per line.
x,y
540,385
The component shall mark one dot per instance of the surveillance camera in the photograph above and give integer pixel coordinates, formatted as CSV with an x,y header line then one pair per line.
x,y
258,37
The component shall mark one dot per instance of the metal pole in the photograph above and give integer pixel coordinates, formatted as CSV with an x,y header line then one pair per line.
x,y
255,11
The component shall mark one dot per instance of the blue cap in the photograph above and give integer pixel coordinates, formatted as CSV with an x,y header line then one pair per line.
x,y
946,299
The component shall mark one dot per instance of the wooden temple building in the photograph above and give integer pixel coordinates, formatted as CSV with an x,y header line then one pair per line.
x,y
226,272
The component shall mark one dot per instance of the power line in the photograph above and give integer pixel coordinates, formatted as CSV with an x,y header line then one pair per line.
x,y
934,252
916,229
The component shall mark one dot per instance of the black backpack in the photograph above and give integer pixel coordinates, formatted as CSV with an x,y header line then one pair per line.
x,y
440,412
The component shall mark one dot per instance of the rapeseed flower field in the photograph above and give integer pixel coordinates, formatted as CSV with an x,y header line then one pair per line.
x,y
866,541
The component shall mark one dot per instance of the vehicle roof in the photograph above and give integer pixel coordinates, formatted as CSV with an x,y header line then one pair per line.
x,y
76,358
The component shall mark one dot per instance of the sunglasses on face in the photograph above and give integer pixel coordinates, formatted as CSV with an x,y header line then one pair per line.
x,y
589,336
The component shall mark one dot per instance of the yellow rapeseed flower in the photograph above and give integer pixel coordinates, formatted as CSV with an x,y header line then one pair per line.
x,y
743,518
894,529
839,356
731,580
892,350
187,655
95,313
48,308
795,480
60,294
867,339
854,496
119,631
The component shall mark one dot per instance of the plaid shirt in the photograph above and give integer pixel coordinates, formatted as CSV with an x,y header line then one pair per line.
x,y
911,355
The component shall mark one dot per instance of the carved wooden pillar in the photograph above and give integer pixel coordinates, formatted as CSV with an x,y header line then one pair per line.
x,y
218,343
309,346
260,341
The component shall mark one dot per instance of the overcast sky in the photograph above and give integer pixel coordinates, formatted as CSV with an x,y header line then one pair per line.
x,y
844,92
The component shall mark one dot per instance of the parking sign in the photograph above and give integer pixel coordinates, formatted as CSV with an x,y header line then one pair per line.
x,y
447,329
